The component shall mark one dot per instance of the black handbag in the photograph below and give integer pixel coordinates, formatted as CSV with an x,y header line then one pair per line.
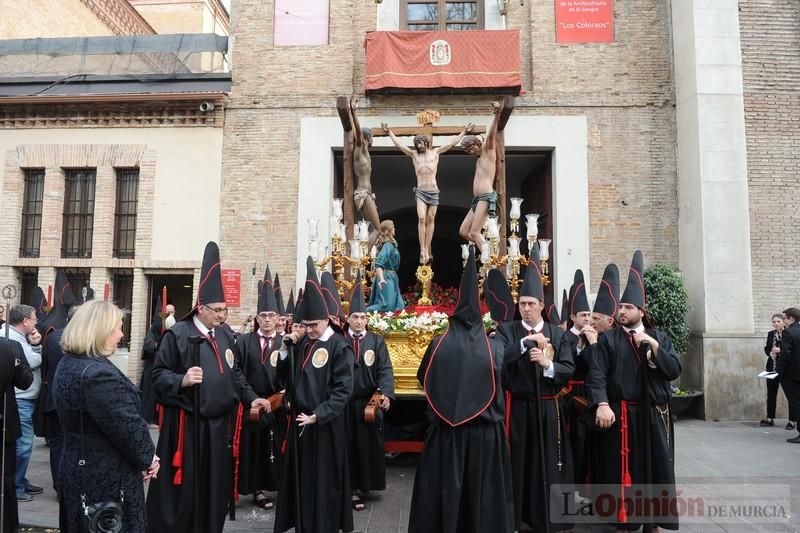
x,y
100,517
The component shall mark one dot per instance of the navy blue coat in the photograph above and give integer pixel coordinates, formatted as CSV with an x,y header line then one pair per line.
x,y
117,443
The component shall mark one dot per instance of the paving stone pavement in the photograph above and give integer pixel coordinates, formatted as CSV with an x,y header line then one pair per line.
x,y
742,456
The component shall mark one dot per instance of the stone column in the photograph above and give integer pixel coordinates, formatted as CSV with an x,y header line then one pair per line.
x,y
724,354
138,323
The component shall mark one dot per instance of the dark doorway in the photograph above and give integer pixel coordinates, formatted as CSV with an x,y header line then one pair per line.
x,y
179,293
528,175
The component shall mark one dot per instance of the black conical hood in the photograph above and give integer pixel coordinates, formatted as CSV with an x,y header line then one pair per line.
x,y
156,322
314,306
467,311
331,295
210,287
266,300
64,294
634,290
532,283
39,302
607,301
297,316
290,303
461,360
550,310
578,301
498,296
267,274
276,286
564,315
357,303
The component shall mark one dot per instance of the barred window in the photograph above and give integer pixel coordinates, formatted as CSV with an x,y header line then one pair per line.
x,y
78,225
435,15
30,279
31,235
122,281
125,214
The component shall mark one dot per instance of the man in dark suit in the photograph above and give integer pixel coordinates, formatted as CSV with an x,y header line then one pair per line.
x,y
788,365
14,372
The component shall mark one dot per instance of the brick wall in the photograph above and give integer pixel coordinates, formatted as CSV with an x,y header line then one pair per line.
x,y
771,70
623,88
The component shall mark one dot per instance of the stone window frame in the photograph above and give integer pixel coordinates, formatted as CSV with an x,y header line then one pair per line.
x,y
55,159
443,21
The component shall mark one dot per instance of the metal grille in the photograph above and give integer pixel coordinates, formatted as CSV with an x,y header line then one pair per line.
x,y
125,215
31,235
122,281
30,279
78,213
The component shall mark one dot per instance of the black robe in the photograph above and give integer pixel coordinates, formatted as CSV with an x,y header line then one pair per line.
x,y
170,505
616,377
580,437
149,348
519,380
372,371
463,480
324,382
260,458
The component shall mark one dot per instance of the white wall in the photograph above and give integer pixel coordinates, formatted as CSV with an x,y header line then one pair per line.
x,y
187,188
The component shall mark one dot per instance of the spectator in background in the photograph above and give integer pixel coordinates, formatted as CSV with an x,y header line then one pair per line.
x,y
773,349
117,449
170,320
21,323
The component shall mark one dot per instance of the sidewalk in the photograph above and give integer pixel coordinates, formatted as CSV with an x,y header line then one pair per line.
x,y
707,453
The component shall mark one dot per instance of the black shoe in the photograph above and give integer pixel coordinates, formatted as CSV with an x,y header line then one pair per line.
x,y
767,422
33,489
795,440
790,425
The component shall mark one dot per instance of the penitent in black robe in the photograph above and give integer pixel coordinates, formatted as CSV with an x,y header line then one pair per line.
x,y
463,481
616,377
372,371
581,439
519,381
149,349
324,381
170,505
260,457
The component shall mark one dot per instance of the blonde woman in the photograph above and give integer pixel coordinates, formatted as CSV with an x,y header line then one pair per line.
x,y
89,390
385,295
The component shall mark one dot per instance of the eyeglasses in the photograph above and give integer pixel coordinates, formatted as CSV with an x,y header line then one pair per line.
x,y
217,310
268,314
312,324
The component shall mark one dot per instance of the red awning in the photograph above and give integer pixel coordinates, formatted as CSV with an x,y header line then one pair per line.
x,y
457,61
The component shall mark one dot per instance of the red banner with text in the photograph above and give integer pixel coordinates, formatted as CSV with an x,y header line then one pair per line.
x,y
232,287
584,21
449,60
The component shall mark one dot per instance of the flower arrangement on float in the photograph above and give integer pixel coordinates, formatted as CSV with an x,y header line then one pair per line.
x,y
433,322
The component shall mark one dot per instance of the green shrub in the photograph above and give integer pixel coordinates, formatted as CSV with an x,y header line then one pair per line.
x,y
668,303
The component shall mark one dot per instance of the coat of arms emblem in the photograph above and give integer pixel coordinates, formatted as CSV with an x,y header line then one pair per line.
x,y
440,53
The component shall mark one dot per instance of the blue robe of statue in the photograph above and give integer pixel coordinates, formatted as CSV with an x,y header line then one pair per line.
x,y
388,297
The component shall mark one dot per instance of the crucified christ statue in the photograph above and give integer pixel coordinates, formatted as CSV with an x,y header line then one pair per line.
x,y
484,200
363,196
426,162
